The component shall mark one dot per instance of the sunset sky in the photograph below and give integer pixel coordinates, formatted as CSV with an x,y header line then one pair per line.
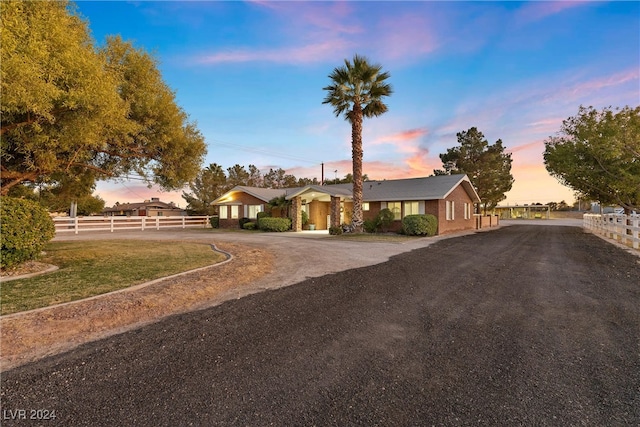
x,y
251,75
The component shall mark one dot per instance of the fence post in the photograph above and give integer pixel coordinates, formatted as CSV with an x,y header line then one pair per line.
x,y
157,223
183,224
75,224
635,233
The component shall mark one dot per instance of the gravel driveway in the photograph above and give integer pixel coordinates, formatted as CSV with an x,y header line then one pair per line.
x,y
525,325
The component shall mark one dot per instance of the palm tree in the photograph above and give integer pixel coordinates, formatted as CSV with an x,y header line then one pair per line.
x,y
357,89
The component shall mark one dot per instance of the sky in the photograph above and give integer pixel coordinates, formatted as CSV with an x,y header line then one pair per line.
x,y
251,75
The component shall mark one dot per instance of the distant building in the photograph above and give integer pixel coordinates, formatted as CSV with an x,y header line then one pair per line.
x,y
153,207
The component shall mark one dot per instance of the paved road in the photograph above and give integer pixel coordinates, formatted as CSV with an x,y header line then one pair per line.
x,y
525,325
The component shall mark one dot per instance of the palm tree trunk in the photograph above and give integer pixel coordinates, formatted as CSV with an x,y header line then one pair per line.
x,y
356,150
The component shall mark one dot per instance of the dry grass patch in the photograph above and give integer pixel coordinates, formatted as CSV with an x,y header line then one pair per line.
x,y
89,268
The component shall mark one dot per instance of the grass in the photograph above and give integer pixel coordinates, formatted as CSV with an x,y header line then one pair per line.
x,y
89,268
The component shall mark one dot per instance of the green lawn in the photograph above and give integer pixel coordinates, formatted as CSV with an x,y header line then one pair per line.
x,y
89,268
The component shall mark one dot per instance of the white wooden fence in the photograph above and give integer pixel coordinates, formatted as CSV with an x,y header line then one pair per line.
x,y
117,223
622,228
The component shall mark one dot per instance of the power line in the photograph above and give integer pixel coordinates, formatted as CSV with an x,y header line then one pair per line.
x,y
262,151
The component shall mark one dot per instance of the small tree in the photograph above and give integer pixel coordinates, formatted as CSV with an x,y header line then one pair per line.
x,y
487,166
210,184
384,219
26,229
597,153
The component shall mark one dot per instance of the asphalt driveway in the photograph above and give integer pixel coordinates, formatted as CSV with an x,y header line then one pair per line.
x,y
525,325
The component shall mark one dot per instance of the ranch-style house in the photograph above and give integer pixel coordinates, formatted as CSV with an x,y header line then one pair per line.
x,y
450,198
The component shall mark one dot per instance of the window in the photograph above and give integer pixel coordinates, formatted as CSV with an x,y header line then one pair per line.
x,y
365,206
395,208
254,210
234,212
223,212
450,210
467,211
411,208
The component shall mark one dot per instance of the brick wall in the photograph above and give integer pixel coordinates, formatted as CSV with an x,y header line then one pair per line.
x,y
240,200
459,197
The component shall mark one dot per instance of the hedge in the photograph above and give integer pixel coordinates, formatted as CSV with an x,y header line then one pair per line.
x,y
275,224
26,229
419,225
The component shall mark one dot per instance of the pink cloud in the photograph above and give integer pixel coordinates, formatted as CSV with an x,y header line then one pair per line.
x,y
408,36
326,32
407,135
312,53
537,10
537,145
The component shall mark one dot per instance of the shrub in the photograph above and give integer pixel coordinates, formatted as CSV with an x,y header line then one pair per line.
x,y
335,231
214,221
384,219
249,225
260,216
26,229
304,217
242,221
370,226
419,225
275,224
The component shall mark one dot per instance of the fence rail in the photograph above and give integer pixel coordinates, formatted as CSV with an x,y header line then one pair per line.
x,y
622,228
117,223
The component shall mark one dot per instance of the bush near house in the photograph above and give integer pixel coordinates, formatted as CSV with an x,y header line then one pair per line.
x,y
215,221
335,231
419,225
242,221
275,224
383,220
249,225
26,228
260,216
370,226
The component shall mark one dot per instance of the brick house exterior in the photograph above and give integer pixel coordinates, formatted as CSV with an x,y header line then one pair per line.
x,y
450,198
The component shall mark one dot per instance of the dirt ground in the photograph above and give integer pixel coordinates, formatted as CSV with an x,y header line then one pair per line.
x,y
261,261
39,333
523,325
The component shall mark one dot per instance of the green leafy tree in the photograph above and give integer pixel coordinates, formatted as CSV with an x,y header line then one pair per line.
x,y
210,184
69,109
255,178
597,153
357,90
278,178
58,196
307,181
237,175
487,166
348,179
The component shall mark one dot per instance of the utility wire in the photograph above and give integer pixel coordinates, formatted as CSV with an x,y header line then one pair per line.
x,y
263,151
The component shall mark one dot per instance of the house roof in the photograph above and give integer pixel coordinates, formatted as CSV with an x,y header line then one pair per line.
x,y
142,205
429,188
264,194
335,190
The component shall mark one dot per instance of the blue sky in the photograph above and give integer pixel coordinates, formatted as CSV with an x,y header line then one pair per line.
x,y
251,75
